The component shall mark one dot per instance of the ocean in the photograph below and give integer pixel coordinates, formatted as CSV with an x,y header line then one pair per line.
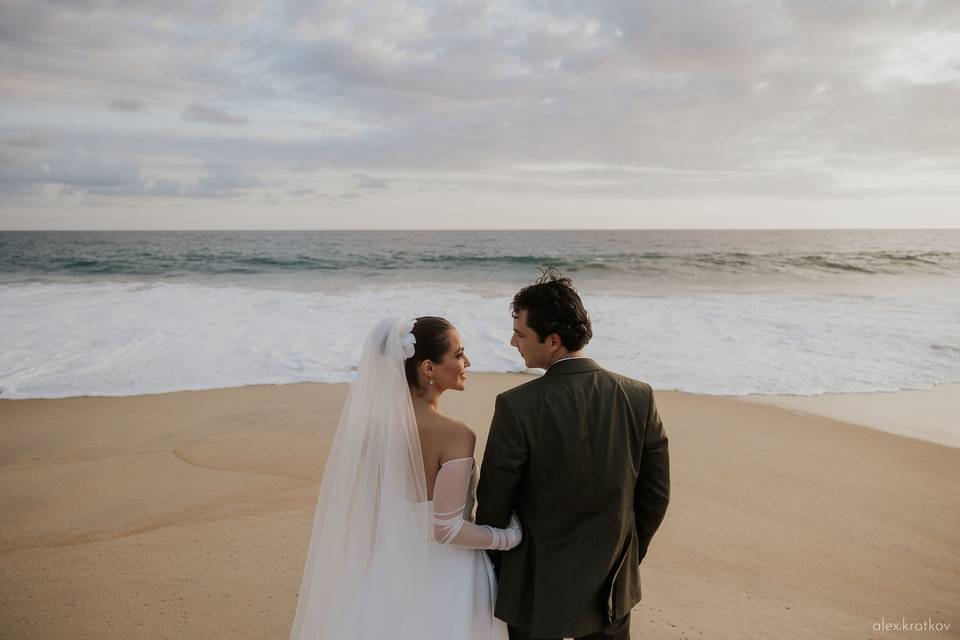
x,y
714,312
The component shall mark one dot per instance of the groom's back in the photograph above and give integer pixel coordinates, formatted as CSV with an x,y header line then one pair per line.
x,y
590,491
584,442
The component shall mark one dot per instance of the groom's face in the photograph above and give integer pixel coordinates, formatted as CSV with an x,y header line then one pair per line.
x,y
536,354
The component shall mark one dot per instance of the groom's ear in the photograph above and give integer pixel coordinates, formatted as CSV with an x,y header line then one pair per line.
x,y
553,341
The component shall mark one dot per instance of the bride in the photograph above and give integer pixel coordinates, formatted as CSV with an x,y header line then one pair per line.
x,y
394,552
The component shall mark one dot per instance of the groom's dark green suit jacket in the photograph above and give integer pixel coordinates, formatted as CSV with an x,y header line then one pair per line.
x,y
581,455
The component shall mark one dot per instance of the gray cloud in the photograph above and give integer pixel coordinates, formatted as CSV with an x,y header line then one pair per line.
x,y
25,141
197,112
218,181
104,173
362,181
624,98
84,169
126,104
76,169
678,84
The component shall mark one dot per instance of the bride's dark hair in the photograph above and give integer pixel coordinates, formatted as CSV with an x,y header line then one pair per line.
x,y
433,342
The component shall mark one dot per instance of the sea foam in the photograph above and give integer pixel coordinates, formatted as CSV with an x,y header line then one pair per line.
x,y
117,339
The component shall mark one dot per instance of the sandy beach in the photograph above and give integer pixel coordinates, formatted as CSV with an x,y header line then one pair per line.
x,y
187,515
927,414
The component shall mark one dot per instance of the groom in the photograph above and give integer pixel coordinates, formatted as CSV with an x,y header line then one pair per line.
x,y
581,455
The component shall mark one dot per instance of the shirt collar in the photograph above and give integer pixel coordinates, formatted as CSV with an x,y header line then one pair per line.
x,y
574,364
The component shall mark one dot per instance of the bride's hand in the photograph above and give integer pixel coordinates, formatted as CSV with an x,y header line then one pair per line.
x,y
514,531
505,539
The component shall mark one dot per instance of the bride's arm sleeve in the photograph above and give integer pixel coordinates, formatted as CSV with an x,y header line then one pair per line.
x,y
449,502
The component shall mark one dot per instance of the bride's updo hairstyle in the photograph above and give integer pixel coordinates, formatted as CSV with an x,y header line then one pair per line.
x,y
433,342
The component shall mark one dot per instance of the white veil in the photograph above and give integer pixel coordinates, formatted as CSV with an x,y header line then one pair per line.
x,y
368,553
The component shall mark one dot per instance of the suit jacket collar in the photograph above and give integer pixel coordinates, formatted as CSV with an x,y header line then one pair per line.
x,y
573,365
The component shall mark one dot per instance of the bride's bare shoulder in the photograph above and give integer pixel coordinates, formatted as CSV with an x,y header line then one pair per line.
x,y
453,438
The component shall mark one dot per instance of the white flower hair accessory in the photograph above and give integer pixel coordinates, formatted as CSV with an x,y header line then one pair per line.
x,y
407,339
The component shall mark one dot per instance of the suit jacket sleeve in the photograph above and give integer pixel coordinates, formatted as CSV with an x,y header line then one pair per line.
x,y
652,493
504,461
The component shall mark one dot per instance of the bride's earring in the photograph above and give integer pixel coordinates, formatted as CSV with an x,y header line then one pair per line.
x,y
431,380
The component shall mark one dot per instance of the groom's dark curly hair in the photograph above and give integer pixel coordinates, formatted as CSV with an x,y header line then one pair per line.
x,y
553,306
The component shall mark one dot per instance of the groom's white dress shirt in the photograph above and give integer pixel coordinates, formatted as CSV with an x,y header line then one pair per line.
x,y
567,358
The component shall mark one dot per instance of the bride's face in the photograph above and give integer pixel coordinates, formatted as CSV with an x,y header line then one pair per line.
x,y
451,372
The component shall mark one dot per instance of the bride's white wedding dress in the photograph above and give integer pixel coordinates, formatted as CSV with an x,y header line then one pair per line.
x,y
384,561
464,584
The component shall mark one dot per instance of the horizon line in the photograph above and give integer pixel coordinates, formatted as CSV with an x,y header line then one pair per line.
x,y
957,228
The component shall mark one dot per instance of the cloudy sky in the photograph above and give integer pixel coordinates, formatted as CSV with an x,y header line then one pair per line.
x,y
479,114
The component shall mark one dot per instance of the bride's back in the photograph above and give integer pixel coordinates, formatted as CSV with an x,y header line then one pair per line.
x,y
441,438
